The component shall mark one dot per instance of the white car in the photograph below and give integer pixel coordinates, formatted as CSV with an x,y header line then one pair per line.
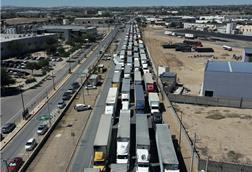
x,y
30,144
82,107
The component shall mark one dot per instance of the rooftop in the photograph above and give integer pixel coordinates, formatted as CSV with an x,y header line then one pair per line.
x,y
248,50
228,66
11,37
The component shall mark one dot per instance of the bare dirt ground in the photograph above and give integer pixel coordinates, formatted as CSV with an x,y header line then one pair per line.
x,y
190,71
223,134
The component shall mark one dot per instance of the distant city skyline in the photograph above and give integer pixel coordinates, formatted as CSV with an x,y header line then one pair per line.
x,y
118,3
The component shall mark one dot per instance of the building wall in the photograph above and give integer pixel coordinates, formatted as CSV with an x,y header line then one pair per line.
x,y
91,21
24,45
226,84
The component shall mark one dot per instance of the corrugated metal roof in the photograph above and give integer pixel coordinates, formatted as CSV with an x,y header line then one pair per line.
x,y
225,66
142,130
124,125
103,131
165,145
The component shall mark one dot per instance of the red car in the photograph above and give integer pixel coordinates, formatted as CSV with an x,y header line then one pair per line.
x,y
15,164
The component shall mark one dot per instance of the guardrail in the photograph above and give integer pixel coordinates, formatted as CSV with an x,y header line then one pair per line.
x,y
44,139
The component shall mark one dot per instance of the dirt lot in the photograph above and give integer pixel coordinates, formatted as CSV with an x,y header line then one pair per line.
x,y
223,134
190,70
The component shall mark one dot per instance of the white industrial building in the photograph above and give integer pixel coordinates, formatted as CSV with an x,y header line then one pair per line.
x,y
228,79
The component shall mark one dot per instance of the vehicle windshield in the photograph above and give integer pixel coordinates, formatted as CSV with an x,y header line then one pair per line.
x,y
41,127
122,156
99,163
12,164
29,143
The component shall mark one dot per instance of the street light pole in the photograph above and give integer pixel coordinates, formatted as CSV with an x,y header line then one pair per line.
x,y
22,98
48,110
53,81
83,96
180,128
69,65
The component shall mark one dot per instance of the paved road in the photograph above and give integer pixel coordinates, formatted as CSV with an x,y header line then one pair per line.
x,y
16,146
84,151
12,110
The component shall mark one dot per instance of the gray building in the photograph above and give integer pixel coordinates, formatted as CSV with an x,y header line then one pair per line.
x,y
228,79
247,55
18,44
93,21
67,31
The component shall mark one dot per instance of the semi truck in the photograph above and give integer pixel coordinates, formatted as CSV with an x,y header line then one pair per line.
x,y
139,97
153,102
149,83
112,97
166,153
102,142
123,138
142,143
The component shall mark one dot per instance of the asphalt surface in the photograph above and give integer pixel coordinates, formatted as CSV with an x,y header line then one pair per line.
x,y
83,155
16,146
12,110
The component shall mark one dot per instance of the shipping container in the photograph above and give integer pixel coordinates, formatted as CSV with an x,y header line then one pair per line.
x,y
139,97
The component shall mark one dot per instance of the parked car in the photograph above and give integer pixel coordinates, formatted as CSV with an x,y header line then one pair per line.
x,y
30,144
8,127
61,104
42,129
82,107
70,90
15,164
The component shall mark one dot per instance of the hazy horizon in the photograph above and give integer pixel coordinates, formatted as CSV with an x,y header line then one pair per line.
x,y
117,3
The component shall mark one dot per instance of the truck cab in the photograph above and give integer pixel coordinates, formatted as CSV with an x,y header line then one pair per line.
x,y
99,161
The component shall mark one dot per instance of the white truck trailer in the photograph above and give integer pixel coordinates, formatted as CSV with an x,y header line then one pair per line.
x,y
142,143
153,102
123,138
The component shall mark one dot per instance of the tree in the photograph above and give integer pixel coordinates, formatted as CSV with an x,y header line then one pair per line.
x,y
6,79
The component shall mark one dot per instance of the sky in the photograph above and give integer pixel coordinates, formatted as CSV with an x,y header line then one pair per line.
x,y
106,3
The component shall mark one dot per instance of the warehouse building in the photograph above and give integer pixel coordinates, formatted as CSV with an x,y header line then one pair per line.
x,y
19,44
228,79
247,55
67,32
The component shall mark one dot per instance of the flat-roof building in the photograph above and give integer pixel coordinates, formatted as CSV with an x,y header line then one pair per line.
x,y
19,44
67,31
228,79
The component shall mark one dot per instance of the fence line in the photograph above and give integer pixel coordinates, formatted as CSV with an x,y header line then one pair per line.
x,y
210,101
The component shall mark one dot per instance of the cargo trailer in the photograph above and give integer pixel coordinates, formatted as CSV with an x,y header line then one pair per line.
x,y
123,138
127,71
102,142
137,77
118,168
142,143
112,97
139,97
116,80
149,83
166,153
154,102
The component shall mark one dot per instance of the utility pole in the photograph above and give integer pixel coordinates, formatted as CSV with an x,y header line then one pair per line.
x,y
53,81
194,141
180,125
69,70
48,110
22,99
207,163
83,96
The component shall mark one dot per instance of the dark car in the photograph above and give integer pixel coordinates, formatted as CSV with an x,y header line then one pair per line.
x,y
1,137
75,85
8,127
15,164
66,96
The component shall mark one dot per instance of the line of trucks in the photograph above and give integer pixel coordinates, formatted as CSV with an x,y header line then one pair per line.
x,y
133,71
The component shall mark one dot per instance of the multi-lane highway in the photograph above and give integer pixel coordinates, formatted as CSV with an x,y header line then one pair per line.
x,y
12,110
83,155
16,146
